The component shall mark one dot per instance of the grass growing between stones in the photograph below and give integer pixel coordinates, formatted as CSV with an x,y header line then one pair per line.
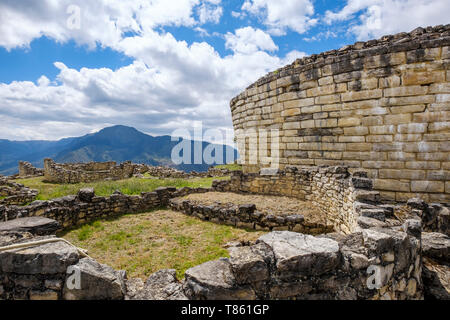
x,y
145,243
132,186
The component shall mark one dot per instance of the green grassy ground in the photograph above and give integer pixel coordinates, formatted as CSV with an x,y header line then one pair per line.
x,y
145,243
231,166
132,186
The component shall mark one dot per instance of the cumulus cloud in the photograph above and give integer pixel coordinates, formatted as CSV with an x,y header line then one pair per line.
x,y
249,40
170,84
380,17
96,22
281,15
209,13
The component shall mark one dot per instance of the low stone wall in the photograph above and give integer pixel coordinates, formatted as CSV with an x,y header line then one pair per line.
x,y
246,216
12,193
86,172
380,259
168,172
332,190
86,206
26,170
280,265
97,171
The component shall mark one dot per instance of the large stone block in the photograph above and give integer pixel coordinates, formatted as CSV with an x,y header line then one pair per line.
x,y
97,282
49,258
299,255
214,280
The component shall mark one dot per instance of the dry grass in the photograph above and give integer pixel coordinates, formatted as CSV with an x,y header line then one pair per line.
x,y
145,243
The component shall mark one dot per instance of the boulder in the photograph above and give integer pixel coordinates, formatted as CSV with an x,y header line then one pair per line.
x,y
49,258
97,282
214,280
39,226
436,280
299,255
86,194
251,263
436,246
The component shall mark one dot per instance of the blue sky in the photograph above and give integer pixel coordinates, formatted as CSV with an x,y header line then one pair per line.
x,y
72,67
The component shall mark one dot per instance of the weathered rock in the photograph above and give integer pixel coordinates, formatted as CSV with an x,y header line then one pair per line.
x,y
35,225
299,255
161,285
436,280
251,263
86,194
367,222
97,281
214,280
436,246
49,258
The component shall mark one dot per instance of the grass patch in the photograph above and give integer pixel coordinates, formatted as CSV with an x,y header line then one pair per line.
x,y
132,186
145,243
230,166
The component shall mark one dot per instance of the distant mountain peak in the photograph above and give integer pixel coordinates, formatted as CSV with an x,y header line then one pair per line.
x,y
118,143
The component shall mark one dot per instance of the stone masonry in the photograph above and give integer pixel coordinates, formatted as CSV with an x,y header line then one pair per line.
x,y
381,105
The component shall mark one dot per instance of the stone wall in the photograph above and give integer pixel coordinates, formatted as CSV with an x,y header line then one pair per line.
x,y
332,190
86,172
12,193
26,169
97,171
279,265
381,105
86,206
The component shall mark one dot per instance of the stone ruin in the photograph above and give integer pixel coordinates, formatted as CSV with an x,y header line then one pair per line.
x,y
86,172
27,170
12,193
98,171
407,246
381,105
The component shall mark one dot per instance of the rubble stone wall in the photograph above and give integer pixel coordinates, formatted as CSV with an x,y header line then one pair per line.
x,y
86,172
12,193
86,206
26,169
97,171
331,190
381,105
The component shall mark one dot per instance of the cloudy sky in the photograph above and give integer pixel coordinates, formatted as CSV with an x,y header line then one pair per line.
x,y
71,67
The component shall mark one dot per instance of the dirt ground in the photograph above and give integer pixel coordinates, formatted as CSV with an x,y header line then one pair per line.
x,y
274,204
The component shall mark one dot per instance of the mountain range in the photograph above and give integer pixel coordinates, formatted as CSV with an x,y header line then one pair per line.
x,y
117,143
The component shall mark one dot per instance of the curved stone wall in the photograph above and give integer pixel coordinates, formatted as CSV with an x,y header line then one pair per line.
x,y
382,105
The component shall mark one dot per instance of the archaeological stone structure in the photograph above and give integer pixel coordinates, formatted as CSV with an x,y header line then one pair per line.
x,y
408,245
86,172
26,169
98,171
381,105
363,141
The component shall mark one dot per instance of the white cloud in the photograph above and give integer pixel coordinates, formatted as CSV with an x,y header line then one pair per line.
x,y
249,40
283,14
170,83
101,21
381,17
